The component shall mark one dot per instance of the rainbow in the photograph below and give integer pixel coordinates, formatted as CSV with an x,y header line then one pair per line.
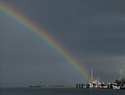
x,y
36,30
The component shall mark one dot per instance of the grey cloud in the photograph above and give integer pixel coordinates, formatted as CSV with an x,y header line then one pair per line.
x,y
92,30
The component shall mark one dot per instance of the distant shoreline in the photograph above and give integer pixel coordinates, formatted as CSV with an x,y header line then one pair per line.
x,y
54,86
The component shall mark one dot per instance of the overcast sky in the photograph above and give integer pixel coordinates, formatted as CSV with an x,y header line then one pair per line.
x,y
92,30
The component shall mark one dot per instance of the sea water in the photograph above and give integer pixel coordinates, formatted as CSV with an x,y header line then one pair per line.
x,y
59,91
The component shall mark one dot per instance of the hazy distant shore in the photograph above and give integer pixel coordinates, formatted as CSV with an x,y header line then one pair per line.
x,y
53,86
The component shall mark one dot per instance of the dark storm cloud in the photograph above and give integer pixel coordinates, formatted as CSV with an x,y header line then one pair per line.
x,y
89,25
92,30
18,46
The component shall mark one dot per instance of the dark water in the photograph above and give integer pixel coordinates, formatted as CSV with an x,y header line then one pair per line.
x,y
59,91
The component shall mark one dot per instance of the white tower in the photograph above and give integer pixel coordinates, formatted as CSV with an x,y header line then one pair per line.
x,y
91,74
121,74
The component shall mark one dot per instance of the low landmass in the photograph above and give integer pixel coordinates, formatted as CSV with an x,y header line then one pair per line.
x,y
54,86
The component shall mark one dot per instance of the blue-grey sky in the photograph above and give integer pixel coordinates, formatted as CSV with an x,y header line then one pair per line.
x,y
92,30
